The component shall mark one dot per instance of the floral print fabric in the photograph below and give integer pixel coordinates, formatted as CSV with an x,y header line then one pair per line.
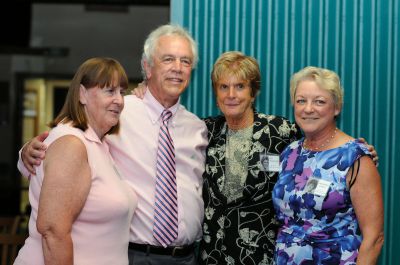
x,y
242,231
237,151
316,229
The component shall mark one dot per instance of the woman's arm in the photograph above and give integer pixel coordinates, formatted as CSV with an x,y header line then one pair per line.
x,y
366,196
66,184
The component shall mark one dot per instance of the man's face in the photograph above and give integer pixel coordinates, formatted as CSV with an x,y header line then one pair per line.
x,y
172,66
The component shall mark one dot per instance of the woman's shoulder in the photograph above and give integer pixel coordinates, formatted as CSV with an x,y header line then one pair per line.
x,y
63,130
213,119
214,122
358,146
271,118
346,152
278,126
350,144
68,146
279,123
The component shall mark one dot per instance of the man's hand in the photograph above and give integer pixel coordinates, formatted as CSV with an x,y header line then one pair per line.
x,y
372,150
140,90
34,152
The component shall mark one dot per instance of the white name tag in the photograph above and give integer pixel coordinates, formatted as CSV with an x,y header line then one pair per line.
x,y
270,162
322,188
318,187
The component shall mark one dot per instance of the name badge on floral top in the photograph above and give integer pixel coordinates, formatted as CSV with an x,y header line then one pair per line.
x,y
318,187
269,162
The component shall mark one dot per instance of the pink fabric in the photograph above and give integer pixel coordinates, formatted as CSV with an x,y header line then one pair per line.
x,y
134,150
21,167
100,234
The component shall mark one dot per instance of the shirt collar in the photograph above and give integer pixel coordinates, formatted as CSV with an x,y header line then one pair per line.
x,y
91,135
155,109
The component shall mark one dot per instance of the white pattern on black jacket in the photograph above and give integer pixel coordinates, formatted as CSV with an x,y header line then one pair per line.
x,y
242,231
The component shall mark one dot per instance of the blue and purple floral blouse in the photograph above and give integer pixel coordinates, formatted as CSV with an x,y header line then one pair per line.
x,y
313,205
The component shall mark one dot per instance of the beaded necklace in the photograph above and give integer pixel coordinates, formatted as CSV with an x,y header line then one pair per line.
x,y
321,146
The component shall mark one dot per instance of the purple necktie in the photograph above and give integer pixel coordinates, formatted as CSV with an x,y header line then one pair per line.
x,y
165,228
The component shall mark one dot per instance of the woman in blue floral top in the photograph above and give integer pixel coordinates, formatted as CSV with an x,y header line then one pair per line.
x,y
328,197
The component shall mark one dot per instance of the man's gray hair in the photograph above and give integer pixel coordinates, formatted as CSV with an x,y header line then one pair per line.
x,y
165,30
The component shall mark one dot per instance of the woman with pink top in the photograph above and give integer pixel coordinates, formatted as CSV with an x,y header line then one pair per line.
x,y
81,205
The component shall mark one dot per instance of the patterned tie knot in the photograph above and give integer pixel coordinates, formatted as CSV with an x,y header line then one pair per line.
x,y
166,115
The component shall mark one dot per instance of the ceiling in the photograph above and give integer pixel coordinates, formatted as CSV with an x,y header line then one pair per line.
x,y
103,2
14,37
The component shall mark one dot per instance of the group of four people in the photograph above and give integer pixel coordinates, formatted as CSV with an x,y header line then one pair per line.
x,y
82,211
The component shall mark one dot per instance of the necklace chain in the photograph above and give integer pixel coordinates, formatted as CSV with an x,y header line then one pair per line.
x,y
321,146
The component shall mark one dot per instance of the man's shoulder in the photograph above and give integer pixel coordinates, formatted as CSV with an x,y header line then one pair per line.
x,y
186,114
132,106
132,99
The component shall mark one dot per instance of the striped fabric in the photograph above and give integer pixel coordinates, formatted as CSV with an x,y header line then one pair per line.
x,y
165,228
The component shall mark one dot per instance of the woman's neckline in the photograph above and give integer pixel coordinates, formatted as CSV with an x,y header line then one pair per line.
x,y
320,151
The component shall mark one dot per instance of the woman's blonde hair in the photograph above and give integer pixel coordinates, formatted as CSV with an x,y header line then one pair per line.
x,y
237,64
325,79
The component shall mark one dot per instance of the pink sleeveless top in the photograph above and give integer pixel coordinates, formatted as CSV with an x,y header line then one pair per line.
x,y
100,234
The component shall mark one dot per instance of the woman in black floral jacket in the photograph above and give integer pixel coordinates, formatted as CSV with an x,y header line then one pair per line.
x,y
241,168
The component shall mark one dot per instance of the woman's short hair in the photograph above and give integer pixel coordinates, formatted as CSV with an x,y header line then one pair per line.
x,y
151,43
325,79
101,72
242,66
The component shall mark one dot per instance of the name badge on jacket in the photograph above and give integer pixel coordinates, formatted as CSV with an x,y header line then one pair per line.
x,y
269,162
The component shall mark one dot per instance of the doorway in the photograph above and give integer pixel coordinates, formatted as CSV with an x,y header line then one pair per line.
x,y
42,100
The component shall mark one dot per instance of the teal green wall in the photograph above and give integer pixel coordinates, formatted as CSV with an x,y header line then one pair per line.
x,y
359,39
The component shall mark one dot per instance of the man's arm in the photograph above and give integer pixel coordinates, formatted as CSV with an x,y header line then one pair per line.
x,y
32,154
